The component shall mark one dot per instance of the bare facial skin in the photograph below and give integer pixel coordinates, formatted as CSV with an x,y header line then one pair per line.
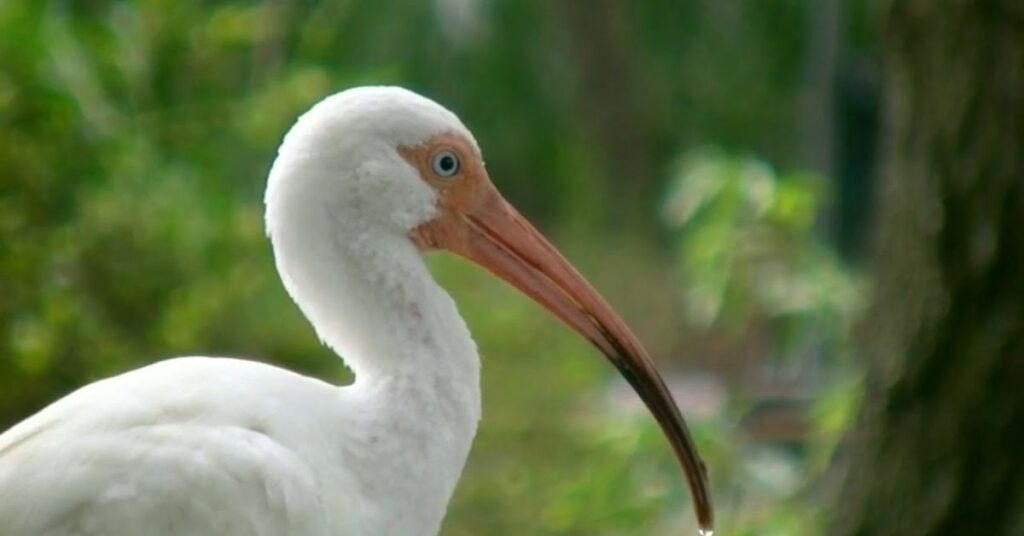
x,y
475,222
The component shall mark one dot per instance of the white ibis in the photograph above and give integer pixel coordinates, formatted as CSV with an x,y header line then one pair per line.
x,y
364,182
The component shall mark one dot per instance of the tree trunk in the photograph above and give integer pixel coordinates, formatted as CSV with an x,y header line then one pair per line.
x,y
939,446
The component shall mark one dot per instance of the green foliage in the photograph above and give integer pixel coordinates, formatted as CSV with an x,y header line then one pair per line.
x,y
751,254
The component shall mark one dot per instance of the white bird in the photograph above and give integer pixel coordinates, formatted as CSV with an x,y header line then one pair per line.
x,y
363,183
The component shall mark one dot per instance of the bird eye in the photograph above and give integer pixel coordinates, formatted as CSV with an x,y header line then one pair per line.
x,y
445,163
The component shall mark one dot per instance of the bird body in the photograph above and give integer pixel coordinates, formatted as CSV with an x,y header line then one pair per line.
x,y
197,446
116,456
363,183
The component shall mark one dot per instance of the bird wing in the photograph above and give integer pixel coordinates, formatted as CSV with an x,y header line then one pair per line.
x,y
192,446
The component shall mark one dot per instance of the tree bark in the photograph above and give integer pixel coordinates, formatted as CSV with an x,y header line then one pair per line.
x,y
939,445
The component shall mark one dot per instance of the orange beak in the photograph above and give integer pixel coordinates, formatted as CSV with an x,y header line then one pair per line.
x,y
478,224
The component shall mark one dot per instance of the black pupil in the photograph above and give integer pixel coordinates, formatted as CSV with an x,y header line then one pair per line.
x,y
447,163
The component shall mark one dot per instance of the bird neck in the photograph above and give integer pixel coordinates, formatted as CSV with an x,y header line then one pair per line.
x,y
415,403
406,424
371,298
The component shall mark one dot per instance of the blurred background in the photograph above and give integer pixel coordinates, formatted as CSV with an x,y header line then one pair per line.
x,y
708,165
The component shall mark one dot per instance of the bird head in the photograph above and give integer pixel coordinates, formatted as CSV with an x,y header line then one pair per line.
x,y
394,160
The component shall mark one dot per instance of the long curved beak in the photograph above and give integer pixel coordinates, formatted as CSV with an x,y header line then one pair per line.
x,y
494,235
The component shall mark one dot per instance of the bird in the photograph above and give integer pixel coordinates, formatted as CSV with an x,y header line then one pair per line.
x,y
363,186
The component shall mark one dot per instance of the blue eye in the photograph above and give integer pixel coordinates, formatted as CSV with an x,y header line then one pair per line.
x,y
445,163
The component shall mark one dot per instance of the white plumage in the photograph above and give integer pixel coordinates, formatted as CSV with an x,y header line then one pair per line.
x,y
205,446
